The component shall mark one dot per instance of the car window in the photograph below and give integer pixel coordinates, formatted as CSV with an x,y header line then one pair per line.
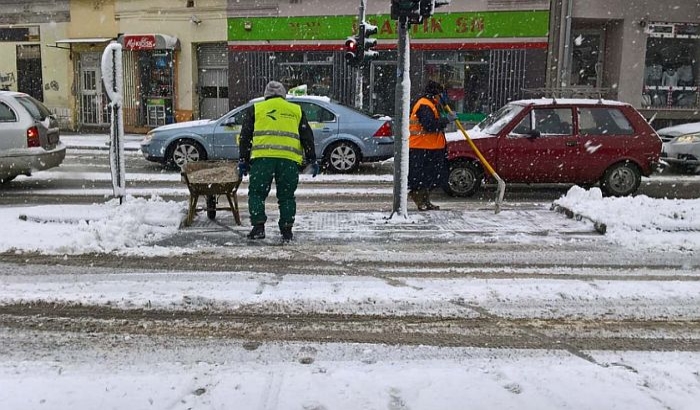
x,y
236,119
36,109
555,121
6,113
316,113
494,123
600,121
525,125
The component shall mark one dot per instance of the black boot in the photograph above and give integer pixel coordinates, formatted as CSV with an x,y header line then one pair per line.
x,y
258,232
418,196
287,234
431,206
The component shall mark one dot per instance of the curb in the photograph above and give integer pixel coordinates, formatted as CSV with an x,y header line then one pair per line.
x,y
600,227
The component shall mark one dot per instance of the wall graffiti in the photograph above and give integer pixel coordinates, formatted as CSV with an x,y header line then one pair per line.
x,y
53,85
7,80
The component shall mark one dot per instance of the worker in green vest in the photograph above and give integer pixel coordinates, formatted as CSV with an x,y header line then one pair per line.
x,y
275,139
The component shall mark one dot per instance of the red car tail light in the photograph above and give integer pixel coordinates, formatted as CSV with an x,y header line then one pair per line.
x,y
33,137
384,131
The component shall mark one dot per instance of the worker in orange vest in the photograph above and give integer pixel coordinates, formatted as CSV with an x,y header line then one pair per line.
x,y
427,155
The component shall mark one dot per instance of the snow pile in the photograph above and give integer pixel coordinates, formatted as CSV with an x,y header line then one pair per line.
x,y
639,221
77,229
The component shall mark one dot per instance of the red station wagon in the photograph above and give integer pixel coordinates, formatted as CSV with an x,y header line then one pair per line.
x,y
577,141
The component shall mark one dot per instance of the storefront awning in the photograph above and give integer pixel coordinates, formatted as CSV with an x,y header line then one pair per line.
x,y
138,42
67,43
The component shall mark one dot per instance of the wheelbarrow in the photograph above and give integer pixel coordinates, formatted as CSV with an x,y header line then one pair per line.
x,y
211,179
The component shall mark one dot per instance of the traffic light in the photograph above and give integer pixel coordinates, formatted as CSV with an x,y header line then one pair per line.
x,y
408,9
427,7
367,43
352,51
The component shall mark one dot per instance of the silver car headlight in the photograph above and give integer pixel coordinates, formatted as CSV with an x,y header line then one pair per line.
x,y
148,137
689,138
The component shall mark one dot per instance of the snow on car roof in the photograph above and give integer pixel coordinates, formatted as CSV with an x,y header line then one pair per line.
x,y
568,101
292,96
682,129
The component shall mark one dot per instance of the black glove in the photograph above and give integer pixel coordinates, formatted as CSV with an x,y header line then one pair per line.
x,y
242,168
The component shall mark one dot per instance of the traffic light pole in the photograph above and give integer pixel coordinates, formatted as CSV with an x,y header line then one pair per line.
x,y
402,102
359,78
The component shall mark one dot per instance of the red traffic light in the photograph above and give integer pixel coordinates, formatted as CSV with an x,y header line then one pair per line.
x,y
351,49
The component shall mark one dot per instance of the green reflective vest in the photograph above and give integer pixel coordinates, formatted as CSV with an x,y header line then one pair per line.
x,y
276,133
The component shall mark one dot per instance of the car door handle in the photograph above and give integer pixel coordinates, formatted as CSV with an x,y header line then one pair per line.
x,y
326,129
571,143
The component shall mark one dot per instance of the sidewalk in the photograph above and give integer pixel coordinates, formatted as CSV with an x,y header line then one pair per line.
x,y
366,228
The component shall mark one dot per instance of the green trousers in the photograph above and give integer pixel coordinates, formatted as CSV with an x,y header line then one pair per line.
x,y
285,173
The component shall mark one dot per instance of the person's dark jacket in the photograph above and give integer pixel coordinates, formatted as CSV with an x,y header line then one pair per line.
x,y
306,135
427,118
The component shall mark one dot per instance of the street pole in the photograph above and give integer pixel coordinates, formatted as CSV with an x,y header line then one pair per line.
x,y
359,79
402,101
114,87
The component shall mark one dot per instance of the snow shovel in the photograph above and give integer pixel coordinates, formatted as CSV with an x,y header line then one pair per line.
x,y
501,184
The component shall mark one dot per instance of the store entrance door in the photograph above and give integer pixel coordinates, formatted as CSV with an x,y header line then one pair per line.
x,y
92,110
212,60
587,58
383,86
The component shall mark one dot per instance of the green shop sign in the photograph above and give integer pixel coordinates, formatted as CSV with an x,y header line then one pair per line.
x,y
488,24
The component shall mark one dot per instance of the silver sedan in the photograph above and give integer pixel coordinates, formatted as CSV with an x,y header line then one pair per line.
x,y
681,147
343,136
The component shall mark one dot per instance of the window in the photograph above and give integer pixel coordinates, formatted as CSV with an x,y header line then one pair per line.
x,y
465,76
6,114
36,109
672,72
237,118
494,123
554,121
316,113
602,121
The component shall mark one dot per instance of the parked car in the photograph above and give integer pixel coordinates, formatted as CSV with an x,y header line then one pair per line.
x,y
681,148
577,141
29,136
344,137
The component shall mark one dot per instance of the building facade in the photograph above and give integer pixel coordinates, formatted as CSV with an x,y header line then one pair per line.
x,y
190,59
484,52
644,52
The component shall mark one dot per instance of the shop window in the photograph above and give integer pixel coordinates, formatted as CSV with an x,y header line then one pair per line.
x,y
315,70
587,58
671,69
157,86
465,76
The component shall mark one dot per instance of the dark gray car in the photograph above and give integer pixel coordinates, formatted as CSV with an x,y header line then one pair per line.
x,y
344,137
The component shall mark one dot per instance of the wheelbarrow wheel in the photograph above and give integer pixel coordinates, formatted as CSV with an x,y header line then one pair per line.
x,y
211,206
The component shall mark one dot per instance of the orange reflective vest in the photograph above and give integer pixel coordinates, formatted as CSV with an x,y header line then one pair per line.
x,y
419,137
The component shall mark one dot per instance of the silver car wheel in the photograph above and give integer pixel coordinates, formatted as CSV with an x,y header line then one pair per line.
x,y
186,151
343,157
621,180
464,179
